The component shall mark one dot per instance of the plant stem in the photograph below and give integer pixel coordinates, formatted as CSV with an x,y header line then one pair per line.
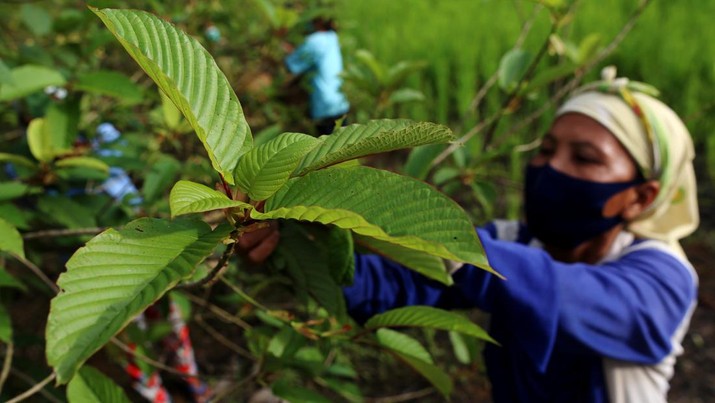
x,y
38,387
223,339
39,273
151,361
226,188
243,295
222,314
51,233
7,363
215,273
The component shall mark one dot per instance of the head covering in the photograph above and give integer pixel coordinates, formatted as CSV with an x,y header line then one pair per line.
x,y
659,143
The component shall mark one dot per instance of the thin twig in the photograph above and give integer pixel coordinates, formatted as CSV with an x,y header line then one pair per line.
x,y
38,387
525,29
254,373
580,73
7,363
223,339
151,361
51,233
243,295
31,381
403,397
39,273
215,273
222,314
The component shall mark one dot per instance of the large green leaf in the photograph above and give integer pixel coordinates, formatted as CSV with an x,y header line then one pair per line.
x,y
5,325
189,197
438,378
427,317
189,76
376,136
380,205
28,79
114,277
10,239
424,263
266,168
403,343
111,83
91,386
314,256
61,122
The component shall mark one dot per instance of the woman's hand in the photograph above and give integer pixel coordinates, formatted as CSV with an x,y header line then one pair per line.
x,y
257,245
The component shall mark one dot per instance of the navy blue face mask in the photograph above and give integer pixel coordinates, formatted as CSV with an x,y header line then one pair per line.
x,y
565,211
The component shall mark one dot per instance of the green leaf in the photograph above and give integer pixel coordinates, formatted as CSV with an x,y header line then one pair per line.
x,y
162,173
404,95
266,168
65,211
285,343
381,205
17,160
376,68
39,140
588,48
5,74
189,76
61,123
36,19
28,79
438,378
403,343
427,317
512,68
5,325
8,281
428,265
549,75
10,240
19,218
297,394
91,386
376,136
314,258
420,160
111,83
13,190
189,197
114,277
171,114
83,162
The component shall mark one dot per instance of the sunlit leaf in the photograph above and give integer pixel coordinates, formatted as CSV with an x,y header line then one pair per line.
x,y
110,83
189,76
39,140
421,262
403,343
91,386
427,317
266,168
189,197
10,239
114,277
380,205
28,79
83,162
358,140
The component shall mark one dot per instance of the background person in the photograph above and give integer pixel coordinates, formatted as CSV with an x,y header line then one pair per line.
x,y
319,56
599,293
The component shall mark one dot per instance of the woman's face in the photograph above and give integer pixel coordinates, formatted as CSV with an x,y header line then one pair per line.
x,y
581,147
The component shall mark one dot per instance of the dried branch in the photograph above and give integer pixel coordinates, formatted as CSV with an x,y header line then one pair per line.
x,y
220,313
52,233
7,363
35,389
223,339
39,273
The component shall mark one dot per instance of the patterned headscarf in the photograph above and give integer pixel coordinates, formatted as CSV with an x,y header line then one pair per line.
x,y
657,140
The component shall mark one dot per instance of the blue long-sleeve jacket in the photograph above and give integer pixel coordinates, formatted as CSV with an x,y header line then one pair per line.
x,y
568,332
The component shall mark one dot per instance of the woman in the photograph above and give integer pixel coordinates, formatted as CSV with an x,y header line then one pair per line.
x,y
598,293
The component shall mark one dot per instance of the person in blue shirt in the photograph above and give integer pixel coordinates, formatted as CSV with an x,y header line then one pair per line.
x,y
598,292
319,57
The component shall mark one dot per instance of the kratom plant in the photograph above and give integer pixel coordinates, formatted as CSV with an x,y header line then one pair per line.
x,y
293,178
